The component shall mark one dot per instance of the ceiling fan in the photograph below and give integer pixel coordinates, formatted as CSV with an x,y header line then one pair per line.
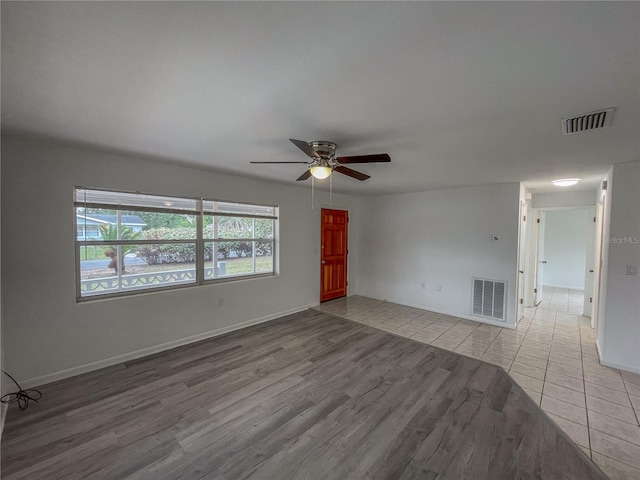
x,y
324,161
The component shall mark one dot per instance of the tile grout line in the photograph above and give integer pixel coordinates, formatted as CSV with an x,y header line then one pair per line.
x,y
518,351
546,368
635,413
584,386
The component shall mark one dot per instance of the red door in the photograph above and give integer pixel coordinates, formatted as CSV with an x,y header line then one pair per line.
x,y
333,256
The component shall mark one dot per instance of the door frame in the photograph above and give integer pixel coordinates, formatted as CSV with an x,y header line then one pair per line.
x,y
522,259
347,262
597,275
535,244
531,246
589,271
538,270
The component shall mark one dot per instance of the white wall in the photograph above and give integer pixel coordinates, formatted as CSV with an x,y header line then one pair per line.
x,y
565,248
48,335
442,238
619,322
3,380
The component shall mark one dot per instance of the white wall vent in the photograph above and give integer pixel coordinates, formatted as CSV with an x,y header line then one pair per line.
x,y
588,121
489,297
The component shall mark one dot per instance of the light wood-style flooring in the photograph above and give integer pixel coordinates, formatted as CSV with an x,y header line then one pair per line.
x,y
308,396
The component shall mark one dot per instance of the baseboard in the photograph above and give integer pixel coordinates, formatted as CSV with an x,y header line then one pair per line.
x,y
598,350
619,366
443,312
569,287
108,362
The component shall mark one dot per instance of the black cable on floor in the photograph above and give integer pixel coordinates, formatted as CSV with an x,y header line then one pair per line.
x,y
23,397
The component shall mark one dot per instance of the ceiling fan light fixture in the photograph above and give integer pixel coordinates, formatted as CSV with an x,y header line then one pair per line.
x,y
565,182
320,172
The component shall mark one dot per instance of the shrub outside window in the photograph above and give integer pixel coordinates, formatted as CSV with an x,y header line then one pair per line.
x,y
128,242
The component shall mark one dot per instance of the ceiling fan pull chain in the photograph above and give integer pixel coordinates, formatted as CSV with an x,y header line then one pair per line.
x,y
331,191
313,183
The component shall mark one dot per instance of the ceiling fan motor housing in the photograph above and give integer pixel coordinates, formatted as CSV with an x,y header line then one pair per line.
x,y
326,150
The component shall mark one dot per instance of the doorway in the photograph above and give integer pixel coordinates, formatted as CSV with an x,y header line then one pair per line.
x,y
333,254
564,258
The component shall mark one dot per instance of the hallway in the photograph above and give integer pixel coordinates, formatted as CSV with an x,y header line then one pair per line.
x,y
562,300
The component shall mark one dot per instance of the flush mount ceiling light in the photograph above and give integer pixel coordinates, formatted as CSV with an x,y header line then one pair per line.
x,y
320,172
565,182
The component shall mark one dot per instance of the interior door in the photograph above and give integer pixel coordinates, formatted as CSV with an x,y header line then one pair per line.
x,y
540,257
333,256
531,247
522,247
597,274
587,309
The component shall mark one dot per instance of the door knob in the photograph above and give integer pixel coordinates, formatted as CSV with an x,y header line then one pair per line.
x,y
521,271
543,261
590,271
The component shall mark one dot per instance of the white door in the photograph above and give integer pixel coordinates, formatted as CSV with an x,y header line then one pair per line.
x,y
590,263
531,248
540,258
598,264
522,244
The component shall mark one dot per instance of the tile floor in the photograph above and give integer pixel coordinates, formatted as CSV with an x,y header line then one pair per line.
x,y
551,355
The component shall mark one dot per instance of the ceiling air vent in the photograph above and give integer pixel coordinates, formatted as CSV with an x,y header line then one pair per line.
x,y
589,121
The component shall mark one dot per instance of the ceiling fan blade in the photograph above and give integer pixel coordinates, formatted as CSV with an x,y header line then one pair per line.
x,y
305,147
304,163
304,176
379,157
351,173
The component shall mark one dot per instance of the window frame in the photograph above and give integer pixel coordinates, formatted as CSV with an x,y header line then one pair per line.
x,y
200,240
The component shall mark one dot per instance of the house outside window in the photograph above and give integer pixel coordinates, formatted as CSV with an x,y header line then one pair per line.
x,y
88,225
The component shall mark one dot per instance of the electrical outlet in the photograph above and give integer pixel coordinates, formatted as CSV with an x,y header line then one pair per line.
x,y
495,238
221,301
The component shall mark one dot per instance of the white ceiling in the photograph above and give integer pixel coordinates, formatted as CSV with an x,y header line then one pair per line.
x,y
457,93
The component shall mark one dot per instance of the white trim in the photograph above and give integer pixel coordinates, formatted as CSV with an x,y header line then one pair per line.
x,y
108,362
598,350
619,366
459,315
570,287
566,207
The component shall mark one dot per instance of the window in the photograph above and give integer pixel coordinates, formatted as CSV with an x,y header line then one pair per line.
x,y
127,242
